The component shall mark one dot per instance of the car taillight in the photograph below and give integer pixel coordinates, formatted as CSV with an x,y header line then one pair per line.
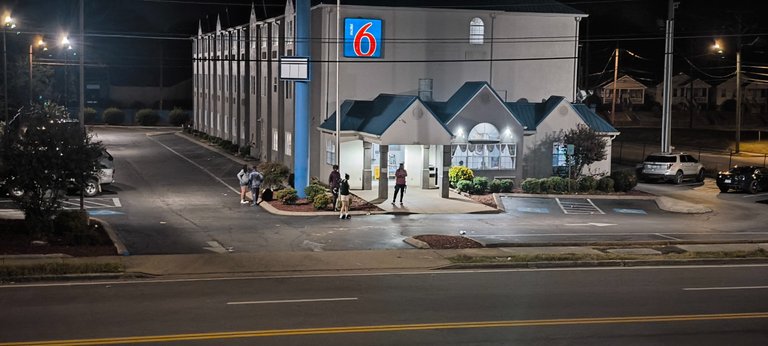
x,y
669,165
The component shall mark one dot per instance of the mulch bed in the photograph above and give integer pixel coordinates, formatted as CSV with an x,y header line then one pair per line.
x,y
304,205
14,240
437,241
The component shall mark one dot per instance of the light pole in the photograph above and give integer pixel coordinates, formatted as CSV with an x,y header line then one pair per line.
x,y
40,43
66,47
8,23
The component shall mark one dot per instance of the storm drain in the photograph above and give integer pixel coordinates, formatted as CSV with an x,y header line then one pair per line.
x,y
578,206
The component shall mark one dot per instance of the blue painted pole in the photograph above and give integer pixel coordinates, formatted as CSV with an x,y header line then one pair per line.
x,y
301,154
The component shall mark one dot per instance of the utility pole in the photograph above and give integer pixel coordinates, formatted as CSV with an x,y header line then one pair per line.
x,y
615,79
666,116
738,97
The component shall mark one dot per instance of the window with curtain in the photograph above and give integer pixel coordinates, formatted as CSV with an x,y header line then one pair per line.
x,y
484,150
330,151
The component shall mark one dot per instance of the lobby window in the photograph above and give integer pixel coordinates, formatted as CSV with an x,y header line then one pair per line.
x,y
476,31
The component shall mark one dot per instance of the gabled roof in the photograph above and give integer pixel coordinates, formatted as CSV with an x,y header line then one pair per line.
x,y
594,121
373,117
376,116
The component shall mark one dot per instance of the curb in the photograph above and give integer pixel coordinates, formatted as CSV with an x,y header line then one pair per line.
x,y
122,250
607,263
416,243
623,244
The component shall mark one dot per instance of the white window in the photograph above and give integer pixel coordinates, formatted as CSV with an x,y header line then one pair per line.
x,y
288,143
274,139
476,31
484,150
264,86
330,151
275,34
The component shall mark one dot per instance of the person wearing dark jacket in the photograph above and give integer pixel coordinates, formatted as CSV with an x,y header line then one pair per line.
x,y
333,181
344,197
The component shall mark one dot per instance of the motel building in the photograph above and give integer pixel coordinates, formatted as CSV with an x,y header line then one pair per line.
x,y
490,89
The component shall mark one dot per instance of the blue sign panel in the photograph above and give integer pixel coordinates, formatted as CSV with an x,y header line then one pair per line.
x,y
362,38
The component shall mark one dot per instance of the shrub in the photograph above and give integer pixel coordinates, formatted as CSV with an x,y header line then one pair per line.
x,y
545,185
245,150
313,190
495,186
531,185
587,184
275,174
287,195
147,117
113,116
605,184
321,201
178,117
90,115
72,226
507,185
465,186
572,185
558,184
623,181
479,186
459,173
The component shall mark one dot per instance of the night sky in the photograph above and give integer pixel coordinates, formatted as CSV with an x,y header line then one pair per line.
x,y
131,38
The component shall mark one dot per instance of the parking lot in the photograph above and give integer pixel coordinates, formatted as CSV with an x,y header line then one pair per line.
x,y
570,206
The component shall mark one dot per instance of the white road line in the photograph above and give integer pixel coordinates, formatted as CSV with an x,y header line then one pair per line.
x,y
755,195
117,203
725,288
593,205
292,301
668,237
196,165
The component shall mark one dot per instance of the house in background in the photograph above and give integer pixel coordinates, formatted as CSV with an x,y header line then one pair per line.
x,y
687,91
628,91
755,95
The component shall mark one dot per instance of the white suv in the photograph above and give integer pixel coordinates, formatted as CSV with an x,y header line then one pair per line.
x,y
673,167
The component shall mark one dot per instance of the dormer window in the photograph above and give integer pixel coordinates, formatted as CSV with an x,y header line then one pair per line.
x,y
476,31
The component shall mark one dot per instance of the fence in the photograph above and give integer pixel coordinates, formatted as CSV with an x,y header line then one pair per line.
x,y
714,160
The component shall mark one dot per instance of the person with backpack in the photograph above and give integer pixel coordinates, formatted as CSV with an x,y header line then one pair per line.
x,y
244,180
255,178
344,197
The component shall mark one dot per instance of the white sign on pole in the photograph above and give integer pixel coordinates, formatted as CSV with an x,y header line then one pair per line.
x,y
294,68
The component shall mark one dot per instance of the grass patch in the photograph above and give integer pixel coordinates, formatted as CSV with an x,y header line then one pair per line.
x,y
50,269
760,253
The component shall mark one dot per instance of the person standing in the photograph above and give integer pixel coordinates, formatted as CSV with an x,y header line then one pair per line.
x,y
333,181
244,180
255,178
400,175
344,197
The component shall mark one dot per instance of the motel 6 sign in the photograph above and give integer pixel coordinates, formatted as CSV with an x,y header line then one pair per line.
x,y
362,38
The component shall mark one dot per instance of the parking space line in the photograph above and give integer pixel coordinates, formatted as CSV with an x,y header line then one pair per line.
x,y
117,203
668,237
572,207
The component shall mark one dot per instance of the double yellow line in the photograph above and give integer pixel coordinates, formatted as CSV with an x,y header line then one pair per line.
x,y
393,328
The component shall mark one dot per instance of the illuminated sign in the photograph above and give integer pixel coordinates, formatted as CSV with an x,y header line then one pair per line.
x,y
362,38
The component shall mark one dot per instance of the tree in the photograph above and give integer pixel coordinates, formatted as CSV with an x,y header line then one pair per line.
x,y
44,156
588,148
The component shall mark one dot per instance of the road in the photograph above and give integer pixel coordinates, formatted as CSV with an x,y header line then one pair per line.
x,y
177,197
718,305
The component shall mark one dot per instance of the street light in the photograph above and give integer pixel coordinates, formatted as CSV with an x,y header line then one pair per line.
x,y
40,43
8,23
66,46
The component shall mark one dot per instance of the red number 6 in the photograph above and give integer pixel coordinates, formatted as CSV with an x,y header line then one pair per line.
x,y
364,34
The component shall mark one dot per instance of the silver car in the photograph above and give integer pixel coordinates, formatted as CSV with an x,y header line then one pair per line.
x,y
105,176
674,167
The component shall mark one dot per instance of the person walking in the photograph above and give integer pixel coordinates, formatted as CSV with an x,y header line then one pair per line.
x,y
344,197
400,175
333,181
244,180
255,178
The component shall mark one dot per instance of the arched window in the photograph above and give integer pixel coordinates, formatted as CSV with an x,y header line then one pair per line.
x,y
485,149
476,31
483,133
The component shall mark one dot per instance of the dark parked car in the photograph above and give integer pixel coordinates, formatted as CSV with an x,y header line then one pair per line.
x,y
743,178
